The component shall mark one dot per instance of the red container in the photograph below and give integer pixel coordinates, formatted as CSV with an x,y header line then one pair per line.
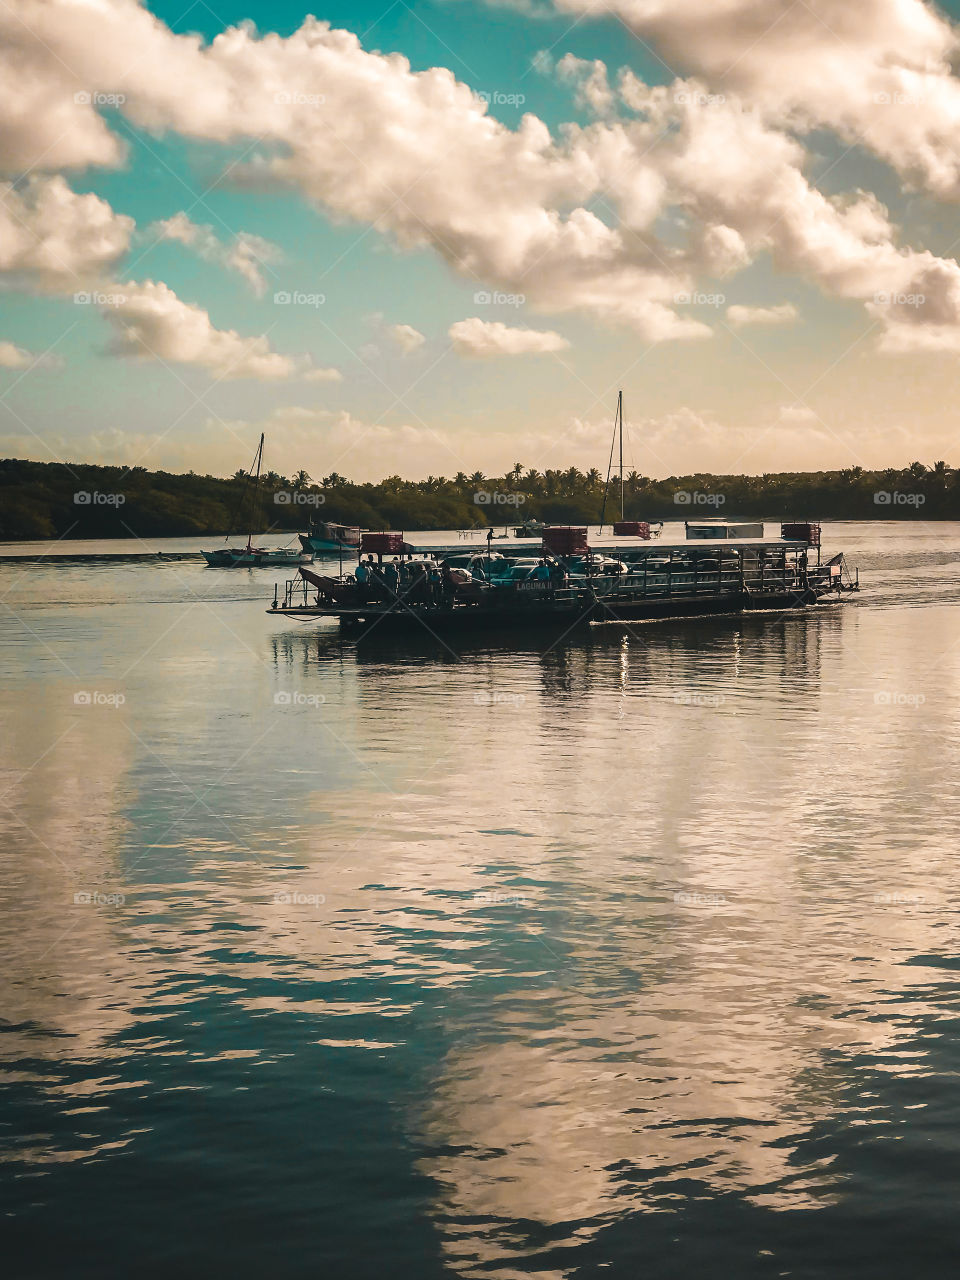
x,y
384,544
565,540
801,531
632,529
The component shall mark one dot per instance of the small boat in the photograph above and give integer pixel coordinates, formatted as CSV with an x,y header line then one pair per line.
x,y
251,557
529,529
325,536
254,557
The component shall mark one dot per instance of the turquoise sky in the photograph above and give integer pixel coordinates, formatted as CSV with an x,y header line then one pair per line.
x,y
91,404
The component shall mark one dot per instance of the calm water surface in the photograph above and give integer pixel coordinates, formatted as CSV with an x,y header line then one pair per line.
x,y
632,954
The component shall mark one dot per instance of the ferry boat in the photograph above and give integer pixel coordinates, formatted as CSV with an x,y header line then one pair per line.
x,y
571,582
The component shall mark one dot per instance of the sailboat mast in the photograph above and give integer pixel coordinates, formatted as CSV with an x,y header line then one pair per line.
x,y
613,444
256,492
620,414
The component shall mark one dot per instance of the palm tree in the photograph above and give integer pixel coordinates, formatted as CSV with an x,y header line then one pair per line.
x,y
300,481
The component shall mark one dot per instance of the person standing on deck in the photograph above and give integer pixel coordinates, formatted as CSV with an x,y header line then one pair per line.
x,y
361,574
391,577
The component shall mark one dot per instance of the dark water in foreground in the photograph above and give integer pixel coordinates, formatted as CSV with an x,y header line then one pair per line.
x,y
630,955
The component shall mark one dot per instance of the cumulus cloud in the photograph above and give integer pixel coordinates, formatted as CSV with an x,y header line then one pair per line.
x,y
415,154
322,375
674,443
56,241
149,320
577,222
244,252
406,337
483,338
13,357
739,316
878,72
590,79
53,240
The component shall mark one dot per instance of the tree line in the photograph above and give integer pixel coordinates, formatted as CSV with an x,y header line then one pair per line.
x,y
42,500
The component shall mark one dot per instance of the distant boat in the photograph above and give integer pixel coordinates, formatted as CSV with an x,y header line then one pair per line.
x,y
250,556
325,535
254,557
529,529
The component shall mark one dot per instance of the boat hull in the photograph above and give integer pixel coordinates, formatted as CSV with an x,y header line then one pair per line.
x,y
243,559
318,545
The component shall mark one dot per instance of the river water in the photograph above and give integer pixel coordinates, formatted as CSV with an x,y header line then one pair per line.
x,y
629,954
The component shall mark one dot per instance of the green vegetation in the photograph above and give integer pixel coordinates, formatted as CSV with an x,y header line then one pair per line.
x,y
37,499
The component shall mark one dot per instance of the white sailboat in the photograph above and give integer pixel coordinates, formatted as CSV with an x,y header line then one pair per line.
x,y
251,556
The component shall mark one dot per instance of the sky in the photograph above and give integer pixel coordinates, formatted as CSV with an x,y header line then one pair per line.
x,y
426,238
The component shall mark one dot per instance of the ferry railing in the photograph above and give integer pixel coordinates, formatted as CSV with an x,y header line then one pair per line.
x,y
690,580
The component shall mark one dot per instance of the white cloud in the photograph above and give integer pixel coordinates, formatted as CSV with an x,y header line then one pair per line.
x,y
677,443
572,223
53,240
150,320
406,337
785,313
878,72
322,375
483,338
56,241
244,252
590,80
14,357
415,154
